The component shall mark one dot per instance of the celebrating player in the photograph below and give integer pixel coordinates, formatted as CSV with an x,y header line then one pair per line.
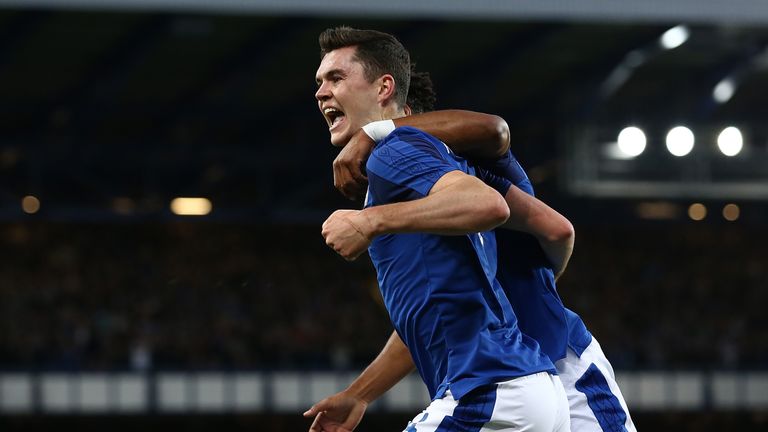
x,y
424,225
595,401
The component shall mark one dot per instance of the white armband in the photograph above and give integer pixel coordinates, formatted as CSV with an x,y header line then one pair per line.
x,y
379,130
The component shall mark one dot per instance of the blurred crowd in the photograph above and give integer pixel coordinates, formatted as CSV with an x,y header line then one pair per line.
x,y
688,295
193,295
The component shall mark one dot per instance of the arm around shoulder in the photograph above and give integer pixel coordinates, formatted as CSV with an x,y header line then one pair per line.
x,y
457,204
468,133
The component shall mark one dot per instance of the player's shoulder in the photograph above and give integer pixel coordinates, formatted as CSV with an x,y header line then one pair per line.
x,y
406,140
410,135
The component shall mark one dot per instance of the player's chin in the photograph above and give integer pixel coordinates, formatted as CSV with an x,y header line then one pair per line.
x,y
337,143
339,139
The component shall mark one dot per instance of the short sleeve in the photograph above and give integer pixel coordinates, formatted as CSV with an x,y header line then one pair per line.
x,y
408,158
508,168
499,183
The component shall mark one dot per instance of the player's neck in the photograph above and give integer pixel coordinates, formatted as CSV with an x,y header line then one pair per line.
x,y
392,112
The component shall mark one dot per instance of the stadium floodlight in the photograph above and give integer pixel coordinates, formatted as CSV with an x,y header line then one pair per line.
x,y
191,206
731,212
730,141
724,90
30,204
680,141
697,211
674,37
631,141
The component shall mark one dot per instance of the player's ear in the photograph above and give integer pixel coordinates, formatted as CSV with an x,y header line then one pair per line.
x,y
386,87
408,110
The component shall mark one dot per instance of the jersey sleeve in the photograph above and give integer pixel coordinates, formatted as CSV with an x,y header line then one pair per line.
x,y
408,159
508,168
499,183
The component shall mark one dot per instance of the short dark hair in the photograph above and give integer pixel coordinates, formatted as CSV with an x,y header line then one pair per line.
x,y
421,95
379,53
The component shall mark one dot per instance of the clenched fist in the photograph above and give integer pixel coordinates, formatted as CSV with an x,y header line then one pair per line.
x,y
348,232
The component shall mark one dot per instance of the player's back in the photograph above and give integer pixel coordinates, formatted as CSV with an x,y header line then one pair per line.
x,y
526,276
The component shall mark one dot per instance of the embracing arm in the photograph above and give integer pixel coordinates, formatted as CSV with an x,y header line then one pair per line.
x,y
344,410
457,204
468,133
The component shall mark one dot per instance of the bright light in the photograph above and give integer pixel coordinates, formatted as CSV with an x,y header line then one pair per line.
x,y
724,91
680,141
191,206
730,141
675,37
697,211
30,204
731,212
658,210
631,141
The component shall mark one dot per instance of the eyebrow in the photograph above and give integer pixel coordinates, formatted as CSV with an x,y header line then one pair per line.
x,y
330,73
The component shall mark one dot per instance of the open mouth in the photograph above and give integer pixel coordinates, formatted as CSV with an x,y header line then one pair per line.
x,y
333,116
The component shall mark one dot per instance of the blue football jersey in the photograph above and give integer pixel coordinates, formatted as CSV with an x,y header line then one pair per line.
x,y
528,281
440,291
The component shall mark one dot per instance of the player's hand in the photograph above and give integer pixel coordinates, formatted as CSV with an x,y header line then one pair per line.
x,y
348,172
338,413
348,232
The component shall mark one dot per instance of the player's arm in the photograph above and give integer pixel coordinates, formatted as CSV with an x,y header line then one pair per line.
x,y
554,232
470,134
456,204
344,410
467,133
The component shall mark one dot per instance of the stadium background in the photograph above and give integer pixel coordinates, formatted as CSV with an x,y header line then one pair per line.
x,y
115,311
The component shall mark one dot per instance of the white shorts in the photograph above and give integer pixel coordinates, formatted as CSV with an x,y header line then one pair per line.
x,y
533,403
594,398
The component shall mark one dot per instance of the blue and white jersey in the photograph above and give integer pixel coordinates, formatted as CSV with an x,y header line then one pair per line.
x,y
528,281
440,291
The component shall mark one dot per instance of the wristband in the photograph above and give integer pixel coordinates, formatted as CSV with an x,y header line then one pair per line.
x,y
379,130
